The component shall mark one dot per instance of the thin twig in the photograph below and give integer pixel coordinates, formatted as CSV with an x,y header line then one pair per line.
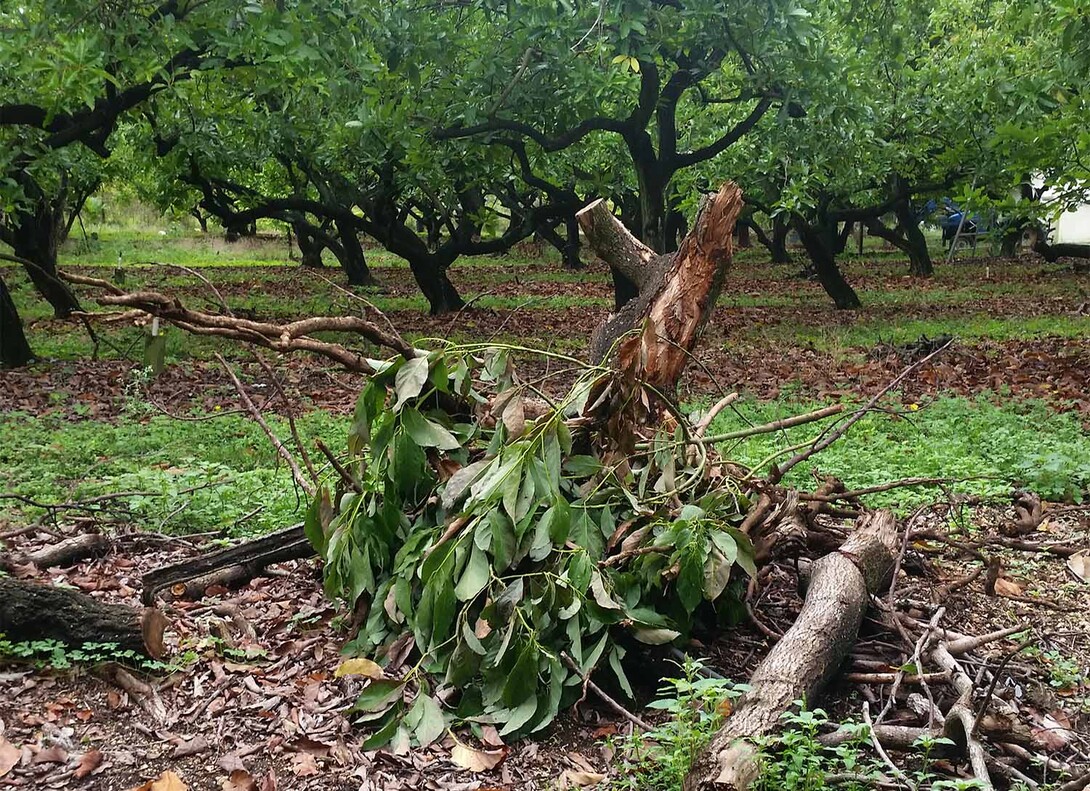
x,y
281,450
617,707
780,471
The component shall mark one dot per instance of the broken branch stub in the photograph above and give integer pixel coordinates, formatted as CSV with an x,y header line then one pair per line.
x,y
676,294
807,656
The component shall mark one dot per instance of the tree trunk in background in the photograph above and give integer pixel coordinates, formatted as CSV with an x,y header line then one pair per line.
x,y
352,259
919,257
817,244
840,240
34,237
432,278
570,252
744,241
14,348
780,228
309,247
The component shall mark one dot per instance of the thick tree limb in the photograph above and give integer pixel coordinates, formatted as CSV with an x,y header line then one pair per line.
x,y
291,337
289,544
806,657
31,611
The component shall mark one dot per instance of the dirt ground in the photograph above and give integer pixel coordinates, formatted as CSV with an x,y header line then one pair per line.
x,y
254,702
256,696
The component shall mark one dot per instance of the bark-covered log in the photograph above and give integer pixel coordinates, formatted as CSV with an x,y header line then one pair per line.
x,y
806,657
70,550
231,565
31,611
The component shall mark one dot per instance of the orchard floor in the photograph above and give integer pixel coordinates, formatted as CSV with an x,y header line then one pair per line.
x,y
267,706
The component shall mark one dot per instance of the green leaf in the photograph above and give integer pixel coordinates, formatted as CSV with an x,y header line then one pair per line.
x,y
410,380
427,433
432,724
615,657
655,636
459,483
690,577
379,695
522,682
520,715
475,576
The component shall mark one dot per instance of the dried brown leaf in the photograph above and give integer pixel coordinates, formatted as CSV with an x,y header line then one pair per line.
x,y
1006,587
476,760
304,765
1079,565
88,762
239,780
167,781
9,756
51,755
579,779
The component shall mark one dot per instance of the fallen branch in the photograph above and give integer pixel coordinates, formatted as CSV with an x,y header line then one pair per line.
x,y
806,657
291,337
304,484
254,556
32,611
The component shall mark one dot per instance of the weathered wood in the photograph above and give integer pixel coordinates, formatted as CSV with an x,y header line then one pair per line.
x,y
70,550
806,657
32,611
615,244
238,563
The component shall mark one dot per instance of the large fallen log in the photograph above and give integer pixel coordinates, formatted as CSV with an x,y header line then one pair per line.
x,y
806,657
229,566
32,611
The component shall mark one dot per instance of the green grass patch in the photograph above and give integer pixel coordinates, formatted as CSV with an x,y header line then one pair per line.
x,y
199,476
868,332
995,445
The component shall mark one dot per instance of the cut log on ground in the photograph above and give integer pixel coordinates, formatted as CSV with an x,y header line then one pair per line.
x,y
69,551
806,657
230,566
32,611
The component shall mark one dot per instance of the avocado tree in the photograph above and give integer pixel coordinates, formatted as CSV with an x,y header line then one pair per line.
x,y
675,84
70,74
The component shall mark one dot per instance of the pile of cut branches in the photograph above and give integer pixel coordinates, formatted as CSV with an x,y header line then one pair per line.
x,y
498,545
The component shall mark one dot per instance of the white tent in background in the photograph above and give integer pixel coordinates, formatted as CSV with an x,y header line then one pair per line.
x,y
1070,227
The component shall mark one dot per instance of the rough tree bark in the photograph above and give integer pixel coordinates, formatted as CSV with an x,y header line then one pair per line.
x,y
34,236
352,258
31,611
232,565
676,292
819,248
15,351
806,657
780,229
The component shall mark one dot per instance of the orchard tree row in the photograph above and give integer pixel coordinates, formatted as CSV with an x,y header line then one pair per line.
x,y
446,128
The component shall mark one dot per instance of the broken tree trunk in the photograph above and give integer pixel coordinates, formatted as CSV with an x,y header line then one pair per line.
x,y
676,292
230,566
806,657
31,611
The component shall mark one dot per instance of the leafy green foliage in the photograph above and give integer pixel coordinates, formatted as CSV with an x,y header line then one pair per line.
x,y
58,656
514,554
660,759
